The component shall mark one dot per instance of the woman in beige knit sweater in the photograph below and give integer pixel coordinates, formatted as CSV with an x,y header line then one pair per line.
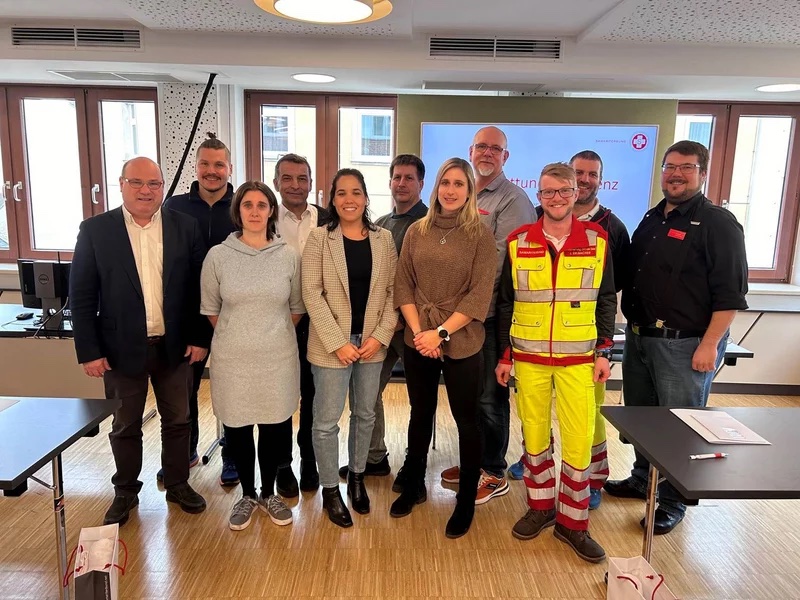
x,y
443,287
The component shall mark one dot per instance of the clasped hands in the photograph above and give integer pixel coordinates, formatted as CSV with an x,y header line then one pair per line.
x,y
350,353
428,343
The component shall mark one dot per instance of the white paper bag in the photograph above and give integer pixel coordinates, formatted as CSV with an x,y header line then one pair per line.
x,y
634,579
96,563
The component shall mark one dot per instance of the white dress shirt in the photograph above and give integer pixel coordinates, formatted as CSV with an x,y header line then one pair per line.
x,y
147,244
295,231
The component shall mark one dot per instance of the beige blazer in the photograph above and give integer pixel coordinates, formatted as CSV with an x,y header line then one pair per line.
x,y
326,294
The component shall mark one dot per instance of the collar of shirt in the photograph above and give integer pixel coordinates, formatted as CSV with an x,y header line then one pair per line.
x,y
418,210
495,183
590,215
129,218
684,208
577,237
194,194
285,213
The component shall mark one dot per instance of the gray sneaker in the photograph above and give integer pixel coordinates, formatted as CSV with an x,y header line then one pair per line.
x,y
241,513
276,508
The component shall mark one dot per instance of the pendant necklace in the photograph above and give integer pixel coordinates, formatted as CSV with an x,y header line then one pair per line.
x,y
443,240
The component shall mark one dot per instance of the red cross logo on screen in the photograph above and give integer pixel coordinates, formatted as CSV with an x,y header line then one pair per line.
x,y
639,141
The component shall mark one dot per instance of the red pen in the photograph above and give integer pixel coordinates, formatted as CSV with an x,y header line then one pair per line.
x,y
705,456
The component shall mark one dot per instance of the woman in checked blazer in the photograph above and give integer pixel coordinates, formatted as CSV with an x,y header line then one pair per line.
x,y
348,278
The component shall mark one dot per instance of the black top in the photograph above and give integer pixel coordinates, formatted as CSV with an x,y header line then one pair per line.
x,y
749,471
215,220
399,224
713,276
34,430
359,272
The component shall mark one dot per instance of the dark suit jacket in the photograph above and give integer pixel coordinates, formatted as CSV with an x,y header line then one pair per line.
x,y
108,314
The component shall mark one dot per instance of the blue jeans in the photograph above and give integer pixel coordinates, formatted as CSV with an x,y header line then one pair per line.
x,y
494,410
332,385
658,372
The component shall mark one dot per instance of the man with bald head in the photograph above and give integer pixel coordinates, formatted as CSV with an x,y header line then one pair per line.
x,y
135,300
504,207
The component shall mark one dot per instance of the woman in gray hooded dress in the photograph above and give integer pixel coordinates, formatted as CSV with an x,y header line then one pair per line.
x,y
251,293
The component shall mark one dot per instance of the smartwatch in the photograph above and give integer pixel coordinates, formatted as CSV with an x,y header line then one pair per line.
x,y
604,353
443,333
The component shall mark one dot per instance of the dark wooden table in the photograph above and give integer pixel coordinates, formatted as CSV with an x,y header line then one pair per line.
x,y
761,472
35,431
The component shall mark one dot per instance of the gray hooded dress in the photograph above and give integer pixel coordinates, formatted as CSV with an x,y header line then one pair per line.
x,y
255,370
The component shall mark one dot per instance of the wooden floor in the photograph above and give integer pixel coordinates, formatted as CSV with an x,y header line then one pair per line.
x,y
723,550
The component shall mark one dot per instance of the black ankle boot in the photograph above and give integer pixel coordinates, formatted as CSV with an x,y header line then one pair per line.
x,y
357,492
413,489
337,511
461,519
459,523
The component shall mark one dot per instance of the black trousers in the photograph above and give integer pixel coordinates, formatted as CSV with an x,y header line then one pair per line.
x,y
171,384
274,443
307,391
463,379
198,370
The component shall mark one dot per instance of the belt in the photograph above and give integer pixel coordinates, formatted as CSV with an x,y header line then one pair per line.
x,y
666,332
154,340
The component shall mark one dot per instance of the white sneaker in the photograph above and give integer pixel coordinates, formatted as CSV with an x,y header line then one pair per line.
x,y
241,513
276,508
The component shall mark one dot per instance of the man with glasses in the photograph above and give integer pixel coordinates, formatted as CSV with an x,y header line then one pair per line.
x,y
208,201
503,207
688,277
296,218
555,318
135,299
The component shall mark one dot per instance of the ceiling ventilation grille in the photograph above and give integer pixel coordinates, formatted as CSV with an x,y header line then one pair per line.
x,y
495,48
76,37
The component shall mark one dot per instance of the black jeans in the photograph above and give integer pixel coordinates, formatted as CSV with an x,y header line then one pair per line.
x,y
463,379
307,392
171,384
494,408
274,443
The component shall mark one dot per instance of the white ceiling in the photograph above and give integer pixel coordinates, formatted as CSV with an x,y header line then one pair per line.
x,y
687,49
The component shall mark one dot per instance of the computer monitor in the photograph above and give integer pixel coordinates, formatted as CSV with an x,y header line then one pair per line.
x,y
45,284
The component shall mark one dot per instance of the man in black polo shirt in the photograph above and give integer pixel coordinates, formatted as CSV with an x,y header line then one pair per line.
x,y
687,278
208,201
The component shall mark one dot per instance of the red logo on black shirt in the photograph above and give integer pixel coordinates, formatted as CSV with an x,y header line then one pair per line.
x,y
677,234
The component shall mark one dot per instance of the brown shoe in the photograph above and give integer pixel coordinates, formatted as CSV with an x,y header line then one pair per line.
x,y
533,522
581,542
452,475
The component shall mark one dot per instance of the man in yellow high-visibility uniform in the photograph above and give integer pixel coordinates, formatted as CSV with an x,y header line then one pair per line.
x,y
556,307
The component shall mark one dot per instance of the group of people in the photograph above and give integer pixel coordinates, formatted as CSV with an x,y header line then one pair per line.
x,y
312,306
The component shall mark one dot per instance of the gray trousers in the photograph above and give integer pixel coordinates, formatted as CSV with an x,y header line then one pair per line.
x,y
377,445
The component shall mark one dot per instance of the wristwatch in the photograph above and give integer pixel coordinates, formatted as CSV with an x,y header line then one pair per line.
x,y
443,333
603,353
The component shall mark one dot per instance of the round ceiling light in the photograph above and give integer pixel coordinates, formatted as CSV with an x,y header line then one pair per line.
x,y
779,87
350,12
313,78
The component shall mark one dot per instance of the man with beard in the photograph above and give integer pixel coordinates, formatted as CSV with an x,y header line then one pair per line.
x,y
555,319
589,172
688,277
208,201
503,207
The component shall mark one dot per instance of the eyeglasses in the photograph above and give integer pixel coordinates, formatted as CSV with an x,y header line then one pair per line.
x,y
685,169
138,184
563,192
481,148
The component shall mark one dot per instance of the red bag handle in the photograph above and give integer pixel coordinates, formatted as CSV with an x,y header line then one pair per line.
x,y
69,573
626,578
125,564
658,585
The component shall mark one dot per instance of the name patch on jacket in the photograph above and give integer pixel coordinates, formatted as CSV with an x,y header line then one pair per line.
x,y
677,234
531,252
580,252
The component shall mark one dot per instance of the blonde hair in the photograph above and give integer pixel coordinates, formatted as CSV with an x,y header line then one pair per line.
x,y
561,171
468,216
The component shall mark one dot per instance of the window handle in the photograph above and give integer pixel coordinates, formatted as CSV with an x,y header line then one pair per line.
x,y
320,196
95,190
15,191
6,186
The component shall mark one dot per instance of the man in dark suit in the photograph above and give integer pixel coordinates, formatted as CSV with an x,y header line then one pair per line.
x,y
134,295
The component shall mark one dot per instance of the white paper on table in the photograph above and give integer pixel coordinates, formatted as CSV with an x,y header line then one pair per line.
x,y
718,427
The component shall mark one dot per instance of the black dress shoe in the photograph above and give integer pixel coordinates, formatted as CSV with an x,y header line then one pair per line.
x,y
378,469
309,477
189,500
333,504
359,499
399,480
286,483
624,488
120,509
663,522
459,522
413,493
